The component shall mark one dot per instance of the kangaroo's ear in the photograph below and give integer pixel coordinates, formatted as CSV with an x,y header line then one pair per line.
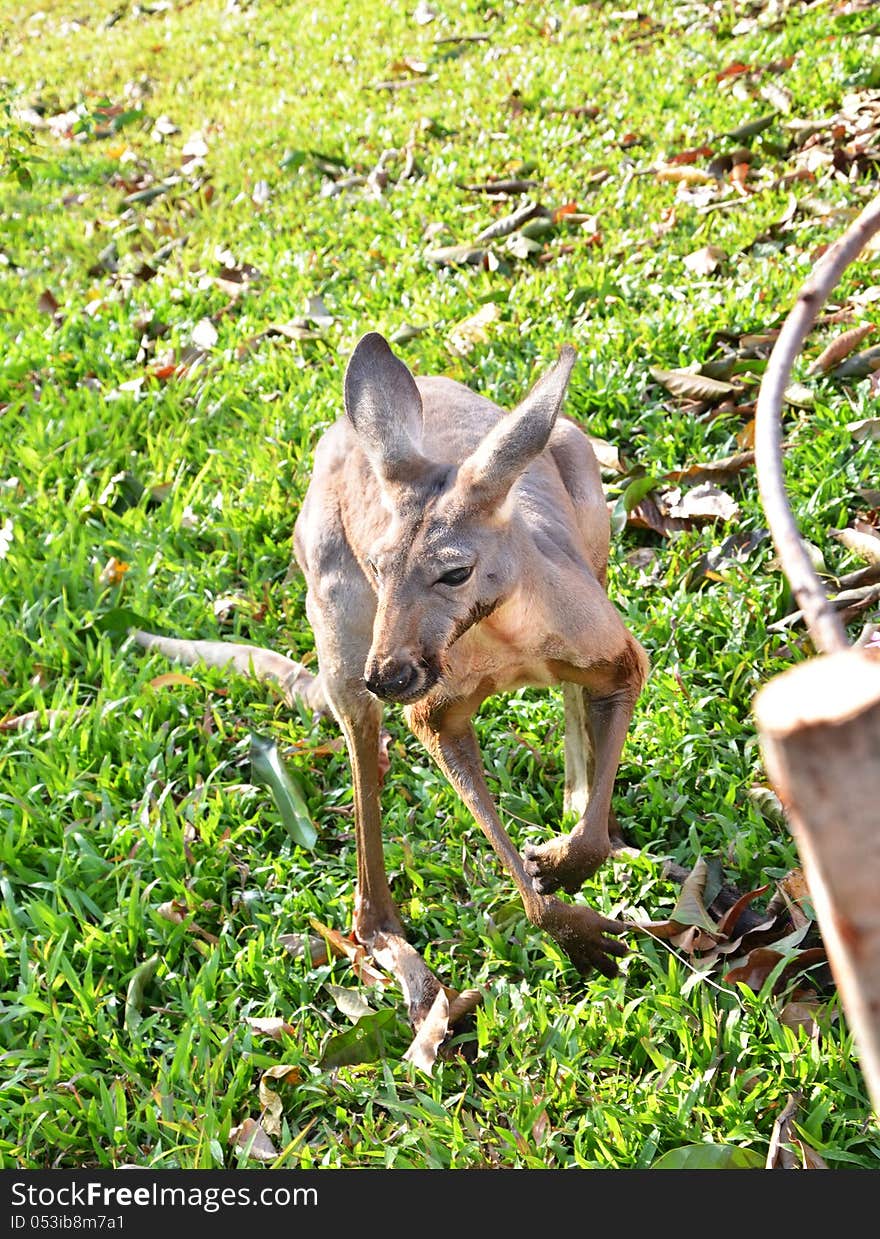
x,y
487,475
384,406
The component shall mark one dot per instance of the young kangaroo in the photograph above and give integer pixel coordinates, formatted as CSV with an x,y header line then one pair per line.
x,y
452,551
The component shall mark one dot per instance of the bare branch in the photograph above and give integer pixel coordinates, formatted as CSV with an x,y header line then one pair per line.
x,y
826,628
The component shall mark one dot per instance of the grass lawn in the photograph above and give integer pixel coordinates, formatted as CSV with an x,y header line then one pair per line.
x,y
223,195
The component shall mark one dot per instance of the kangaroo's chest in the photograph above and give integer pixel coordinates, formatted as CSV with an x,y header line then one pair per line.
x,y
500,650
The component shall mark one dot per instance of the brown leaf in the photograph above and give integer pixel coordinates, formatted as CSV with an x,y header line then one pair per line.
x,y
657,929
285,1073
689,909
113,571
684,175
704,503
270,1026
647,515
349,949
692,386
694,940
745,437
174,911
607,455
706,260
796,1015
47,303
541,1123
761,962
795,893
409,64
736,69
456,256
859,365
507,224
739,174
464,336
865,428
305,944
862,543
838,349
727,924
502,187
725,467
691,155
788,1151
250,1135
348,1001
204,335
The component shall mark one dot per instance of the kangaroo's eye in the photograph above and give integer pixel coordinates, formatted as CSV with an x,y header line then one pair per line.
x,y
371,564
455,576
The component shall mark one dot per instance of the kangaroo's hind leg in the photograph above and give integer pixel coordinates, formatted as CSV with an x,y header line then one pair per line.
x,y
580,759
600,696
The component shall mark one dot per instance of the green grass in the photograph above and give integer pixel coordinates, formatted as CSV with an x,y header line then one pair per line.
x,y
134,796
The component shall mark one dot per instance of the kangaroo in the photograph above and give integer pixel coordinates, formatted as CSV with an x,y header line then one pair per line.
x,y
451,551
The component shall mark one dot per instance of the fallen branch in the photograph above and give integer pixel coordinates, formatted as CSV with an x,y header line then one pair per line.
x,y
825,626
846,604
819,722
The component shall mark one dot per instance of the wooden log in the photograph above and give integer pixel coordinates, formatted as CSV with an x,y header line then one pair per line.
x,y
819,725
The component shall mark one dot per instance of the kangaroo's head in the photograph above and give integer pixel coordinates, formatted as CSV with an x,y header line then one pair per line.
x,y
447,557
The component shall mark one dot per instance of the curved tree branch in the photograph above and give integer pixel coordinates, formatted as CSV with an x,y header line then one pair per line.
x,y
825,626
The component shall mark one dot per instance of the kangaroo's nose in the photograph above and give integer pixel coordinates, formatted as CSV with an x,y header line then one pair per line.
x,y
393,683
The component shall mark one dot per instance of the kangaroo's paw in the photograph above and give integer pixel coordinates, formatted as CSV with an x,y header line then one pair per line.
x,y
585,936
383,937
565,862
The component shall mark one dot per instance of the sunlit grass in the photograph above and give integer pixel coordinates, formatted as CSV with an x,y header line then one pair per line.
x,y
133,796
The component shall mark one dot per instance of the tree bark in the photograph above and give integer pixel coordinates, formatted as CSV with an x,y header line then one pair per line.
x,y
820,735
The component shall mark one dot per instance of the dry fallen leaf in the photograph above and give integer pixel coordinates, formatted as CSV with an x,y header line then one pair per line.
x,y
270,1026
708,470
113,571
862,543
456,255
706,260
704,502
684,174
788,1151
693,386
865,428
284,1073
250,1136
797,1015
761,962
838,349
607,455
473,330
204,335
302,945
351,950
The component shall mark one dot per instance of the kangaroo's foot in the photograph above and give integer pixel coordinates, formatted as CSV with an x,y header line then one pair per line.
x,y
381,934
584,935
566,861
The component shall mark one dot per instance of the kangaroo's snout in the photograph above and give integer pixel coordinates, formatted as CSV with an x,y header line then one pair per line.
x,y
400,682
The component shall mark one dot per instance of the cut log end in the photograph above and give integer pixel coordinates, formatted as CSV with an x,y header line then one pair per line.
x,y
836,688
